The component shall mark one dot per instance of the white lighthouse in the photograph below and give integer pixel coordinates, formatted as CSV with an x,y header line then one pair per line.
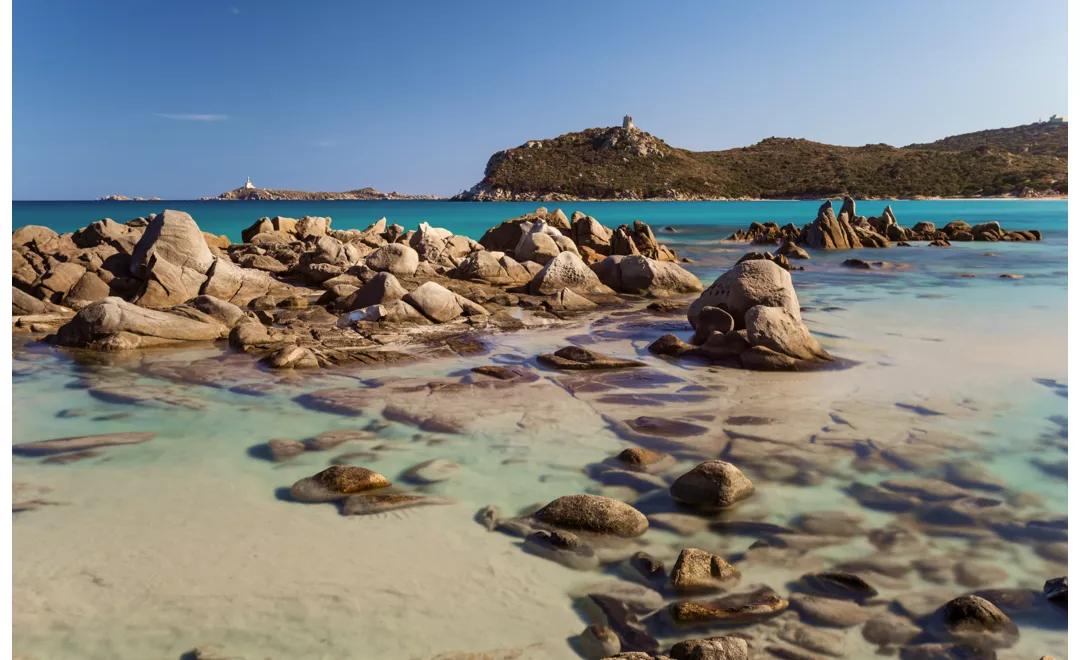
x,y
249,185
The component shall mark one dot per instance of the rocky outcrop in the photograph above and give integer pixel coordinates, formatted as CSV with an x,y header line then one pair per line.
x,y
505,236
848,230
827,232
585,231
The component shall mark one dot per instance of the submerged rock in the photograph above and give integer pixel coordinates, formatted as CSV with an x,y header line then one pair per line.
x,y
562,547
712,484
974,620
832,612
713,648
597,642
836,584
733,609
575,358
366,505
430,472
1057,591
643,460
80,443
337,482
283,450
697,571
670,345
593,513
889,629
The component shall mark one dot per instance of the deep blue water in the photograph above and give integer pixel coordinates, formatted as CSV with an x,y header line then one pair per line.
x,y
704,219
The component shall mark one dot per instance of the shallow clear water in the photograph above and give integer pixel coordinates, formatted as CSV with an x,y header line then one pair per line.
x,y
149,550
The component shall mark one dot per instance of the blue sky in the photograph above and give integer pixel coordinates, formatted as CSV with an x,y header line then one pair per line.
x,y
184,99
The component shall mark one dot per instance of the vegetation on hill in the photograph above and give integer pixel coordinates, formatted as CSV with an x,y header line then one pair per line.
x,y
1039,139
617,163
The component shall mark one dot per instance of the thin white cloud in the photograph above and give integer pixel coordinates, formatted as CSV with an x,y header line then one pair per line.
x,y
234,10
191,116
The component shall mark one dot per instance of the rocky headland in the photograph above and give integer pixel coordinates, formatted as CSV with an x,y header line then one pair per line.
x,y
626,163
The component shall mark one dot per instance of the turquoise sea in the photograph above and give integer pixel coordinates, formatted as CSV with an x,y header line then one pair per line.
x,y
149,550
472,219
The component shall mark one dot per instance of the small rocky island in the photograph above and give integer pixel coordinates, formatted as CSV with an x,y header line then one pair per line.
x,y
249,192
848,230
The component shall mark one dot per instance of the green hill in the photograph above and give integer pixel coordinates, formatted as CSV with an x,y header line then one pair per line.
x,y
1040,139
618,163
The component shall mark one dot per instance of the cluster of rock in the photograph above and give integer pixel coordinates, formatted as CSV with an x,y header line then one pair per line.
x,y
703,591
848,230
305,294
541,235
748,317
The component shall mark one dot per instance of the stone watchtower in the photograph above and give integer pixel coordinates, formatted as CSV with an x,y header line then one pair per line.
x,y
628,123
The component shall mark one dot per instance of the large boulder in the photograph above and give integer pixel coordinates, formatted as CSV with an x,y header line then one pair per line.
x,y
587,232
541,242
229,282
329,250
395,258
382,289
567,271
89,288
637,274
747,285
492,267
174,237
282,229
828,232
536,246
107,232
308,226
505,236
776,329
166,284
23,304
439,246
59,279
113,324
34,237
593,513
209,309
435,302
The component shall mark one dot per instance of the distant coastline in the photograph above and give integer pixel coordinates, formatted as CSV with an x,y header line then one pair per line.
x,y
249,192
